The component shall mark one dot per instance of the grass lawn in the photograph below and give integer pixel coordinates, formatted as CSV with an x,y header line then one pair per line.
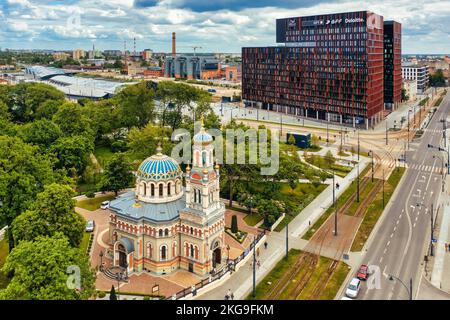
x,y
304,193
85,242
321,269
94,203
4,251
253,219
103,155
321,163
340,202
375,209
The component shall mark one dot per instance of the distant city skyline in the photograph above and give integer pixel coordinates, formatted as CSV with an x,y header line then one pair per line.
x,y
217,26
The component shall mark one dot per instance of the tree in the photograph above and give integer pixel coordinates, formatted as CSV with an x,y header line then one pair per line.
x,y
25,98
41,132
4,113
135,105
72,121
291,140
329,159
48,268
437,79
52,212
23,174
234,224
270,210
315,140
73,152
117,174
405,97
112,294
143,142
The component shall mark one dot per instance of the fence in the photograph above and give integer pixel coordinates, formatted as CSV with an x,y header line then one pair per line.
x,y
229,267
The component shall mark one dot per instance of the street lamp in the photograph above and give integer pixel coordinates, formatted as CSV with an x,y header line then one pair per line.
x,y
335,205
371,153
254,266
409,290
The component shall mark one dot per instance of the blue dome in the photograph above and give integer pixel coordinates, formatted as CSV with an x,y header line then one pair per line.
x,y
159,167
203,137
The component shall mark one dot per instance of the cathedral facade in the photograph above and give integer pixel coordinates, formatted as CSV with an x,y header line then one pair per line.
x,y
163,226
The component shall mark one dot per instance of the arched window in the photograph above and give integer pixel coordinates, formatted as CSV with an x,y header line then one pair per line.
x,y
191,251
192,230
204,157
163,252
161,188
166,232
144,186
160,232
169,186
152,190
199,197
149,250
177,186
195,195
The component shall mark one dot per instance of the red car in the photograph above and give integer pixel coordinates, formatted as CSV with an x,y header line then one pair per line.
x,y
363,272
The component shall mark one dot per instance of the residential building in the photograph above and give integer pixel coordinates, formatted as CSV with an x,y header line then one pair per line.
x,y
418,73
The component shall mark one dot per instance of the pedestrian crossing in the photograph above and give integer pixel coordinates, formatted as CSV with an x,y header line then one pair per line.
x,y
433,130
414,166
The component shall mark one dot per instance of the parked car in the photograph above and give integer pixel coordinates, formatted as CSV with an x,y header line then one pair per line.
x,y
353,288
105,205
212,90
363,272
90,226
346,298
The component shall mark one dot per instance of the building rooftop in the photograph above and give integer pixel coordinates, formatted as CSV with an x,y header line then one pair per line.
x,y
127,206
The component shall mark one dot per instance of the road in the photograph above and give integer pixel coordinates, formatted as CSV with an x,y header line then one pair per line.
x,y
400,243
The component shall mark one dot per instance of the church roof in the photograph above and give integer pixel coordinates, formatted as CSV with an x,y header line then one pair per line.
x,y
126,206
159,167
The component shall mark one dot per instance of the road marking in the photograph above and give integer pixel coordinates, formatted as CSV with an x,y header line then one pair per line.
x,y
414,225
385,249
395,228
398,221
392,234
389,242
381,260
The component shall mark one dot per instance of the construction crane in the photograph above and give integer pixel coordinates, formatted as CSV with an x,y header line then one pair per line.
x,y
192,47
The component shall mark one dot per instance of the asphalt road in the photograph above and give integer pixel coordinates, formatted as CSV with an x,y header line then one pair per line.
x,y
403,238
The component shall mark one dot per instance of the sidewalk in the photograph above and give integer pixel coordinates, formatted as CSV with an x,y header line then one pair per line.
x,y
241,282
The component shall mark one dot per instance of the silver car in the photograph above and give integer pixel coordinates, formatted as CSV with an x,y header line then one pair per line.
x,y
90,226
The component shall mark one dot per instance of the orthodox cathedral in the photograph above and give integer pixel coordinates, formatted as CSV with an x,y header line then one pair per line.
x,y
161,226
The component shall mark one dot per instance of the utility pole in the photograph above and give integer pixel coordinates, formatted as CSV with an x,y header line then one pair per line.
x,y
357,183
383,189
335,206
358,145
432,233
371,152
254,267
444,132
387,142
287,236
410,289
328,135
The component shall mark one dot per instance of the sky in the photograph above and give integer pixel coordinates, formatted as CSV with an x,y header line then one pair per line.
x,y
213,25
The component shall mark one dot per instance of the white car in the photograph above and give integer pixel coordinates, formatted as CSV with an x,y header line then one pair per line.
x,y
353,288
346,298
90,225
105,205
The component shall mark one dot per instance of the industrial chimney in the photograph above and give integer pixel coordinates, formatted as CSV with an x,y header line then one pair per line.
x,y
174,44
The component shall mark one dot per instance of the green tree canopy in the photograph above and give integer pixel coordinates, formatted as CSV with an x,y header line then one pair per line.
x,y
143,142
24,99
41,132
117,174
72,121
48,268
52,212
135,105
73,152
23,174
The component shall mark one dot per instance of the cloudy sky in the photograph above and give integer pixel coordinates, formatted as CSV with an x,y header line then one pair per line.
x,y
215,25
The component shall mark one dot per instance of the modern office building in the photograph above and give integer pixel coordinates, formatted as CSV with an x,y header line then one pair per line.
x,y
418,73
328,67
392,64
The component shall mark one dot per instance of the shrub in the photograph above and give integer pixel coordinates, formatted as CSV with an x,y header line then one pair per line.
x,y
90,194
234,224
101,294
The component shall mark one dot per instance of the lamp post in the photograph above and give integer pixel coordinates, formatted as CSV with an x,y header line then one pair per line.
x,y
335,206
432,232
387,142
409,290
371,153
383,188
101,260
409,112
442,170
254,266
